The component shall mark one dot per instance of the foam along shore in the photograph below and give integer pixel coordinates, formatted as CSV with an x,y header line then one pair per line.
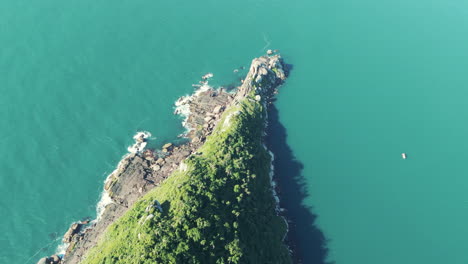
x,y
222,199
140,142
144,169
105,199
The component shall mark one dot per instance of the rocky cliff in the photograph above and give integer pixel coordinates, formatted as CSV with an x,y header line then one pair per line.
x,y
144,170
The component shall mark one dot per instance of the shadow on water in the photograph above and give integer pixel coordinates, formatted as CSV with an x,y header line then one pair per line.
x,y
305,239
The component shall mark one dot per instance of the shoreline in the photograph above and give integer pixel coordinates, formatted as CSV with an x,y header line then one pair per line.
x,y
142,169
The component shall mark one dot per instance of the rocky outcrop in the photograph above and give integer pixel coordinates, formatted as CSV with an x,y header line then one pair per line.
x,y
140,171
72,231
265,74
50,260
205,109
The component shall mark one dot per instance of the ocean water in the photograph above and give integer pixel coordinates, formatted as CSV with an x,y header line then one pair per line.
x,y
370,80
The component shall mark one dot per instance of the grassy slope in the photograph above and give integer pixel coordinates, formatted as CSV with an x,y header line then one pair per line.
x,y
219,210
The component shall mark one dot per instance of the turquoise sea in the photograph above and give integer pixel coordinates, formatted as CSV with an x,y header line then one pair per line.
x,y
370,80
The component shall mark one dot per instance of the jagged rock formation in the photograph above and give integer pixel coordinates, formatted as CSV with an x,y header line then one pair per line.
x,y
140,172
50,260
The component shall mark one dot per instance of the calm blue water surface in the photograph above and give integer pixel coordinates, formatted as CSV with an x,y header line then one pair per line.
x,y
371,79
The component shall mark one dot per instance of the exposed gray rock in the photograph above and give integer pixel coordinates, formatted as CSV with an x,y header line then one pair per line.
x,y
262,71
141,138
217,109
167,146
55,259
72,231
149,158
109,183
136,174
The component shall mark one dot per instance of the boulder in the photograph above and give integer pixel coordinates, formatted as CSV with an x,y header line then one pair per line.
x,y
258,98
155,167
55,259
109,184
255,64
167,147
141,138
147,153
258,79
269,52
217,109
72,231
273,64
208,118
137,159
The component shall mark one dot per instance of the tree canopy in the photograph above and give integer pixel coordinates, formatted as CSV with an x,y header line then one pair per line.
x,y
219,209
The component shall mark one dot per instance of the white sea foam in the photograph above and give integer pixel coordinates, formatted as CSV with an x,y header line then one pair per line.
x,y
207,76
203,88
61,249
273,190
142,134
183,108
182,105
267,42
102,204
140,142
105,199
272,181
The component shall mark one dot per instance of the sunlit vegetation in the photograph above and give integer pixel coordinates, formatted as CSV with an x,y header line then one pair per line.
x,y
219,209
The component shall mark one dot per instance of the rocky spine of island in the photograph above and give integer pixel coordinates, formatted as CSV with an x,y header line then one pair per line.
x,y
144,169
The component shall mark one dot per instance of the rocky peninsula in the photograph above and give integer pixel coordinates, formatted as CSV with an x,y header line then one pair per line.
x,y
149,192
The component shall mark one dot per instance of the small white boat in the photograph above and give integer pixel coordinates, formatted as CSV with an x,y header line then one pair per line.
x,y
403,155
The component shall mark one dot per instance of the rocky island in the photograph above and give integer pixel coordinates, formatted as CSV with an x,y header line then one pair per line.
x,y
208,200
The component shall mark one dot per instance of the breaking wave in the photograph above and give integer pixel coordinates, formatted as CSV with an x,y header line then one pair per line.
x,y
182,105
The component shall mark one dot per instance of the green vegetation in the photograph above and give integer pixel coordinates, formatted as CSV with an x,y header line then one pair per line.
x,y
218,209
